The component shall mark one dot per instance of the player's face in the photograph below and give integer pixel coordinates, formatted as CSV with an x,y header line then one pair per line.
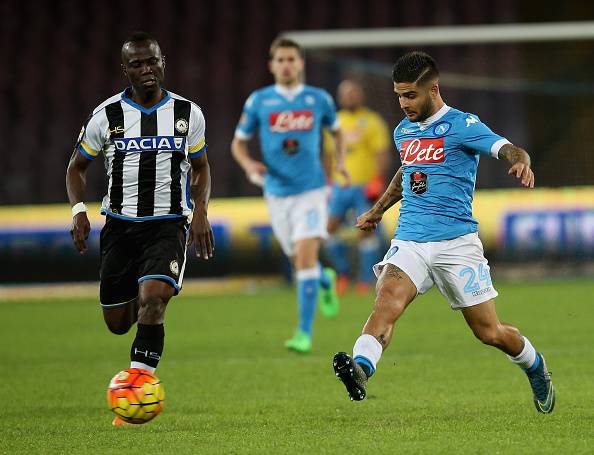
x,y
417,101
350,95
144,65
286,66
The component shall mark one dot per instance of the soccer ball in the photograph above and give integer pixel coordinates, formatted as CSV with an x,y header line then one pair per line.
x,y
135,395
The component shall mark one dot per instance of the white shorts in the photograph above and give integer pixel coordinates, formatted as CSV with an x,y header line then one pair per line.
x,y
297,217
457,267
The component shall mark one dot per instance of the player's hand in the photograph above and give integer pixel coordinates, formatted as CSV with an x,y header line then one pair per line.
x,y
80,231
369,220
523,172
255,171
201,235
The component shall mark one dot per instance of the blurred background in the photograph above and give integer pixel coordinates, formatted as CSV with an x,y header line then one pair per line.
x,y
62,58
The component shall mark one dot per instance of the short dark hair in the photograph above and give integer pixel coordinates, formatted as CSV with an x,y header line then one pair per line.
x,y
416,66
284,42
140,37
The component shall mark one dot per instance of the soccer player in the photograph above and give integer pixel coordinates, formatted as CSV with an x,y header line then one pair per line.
x,y
289,117
366,138
157,200
436,240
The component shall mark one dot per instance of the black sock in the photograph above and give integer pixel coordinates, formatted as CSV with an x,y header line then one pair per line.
x,y
148,344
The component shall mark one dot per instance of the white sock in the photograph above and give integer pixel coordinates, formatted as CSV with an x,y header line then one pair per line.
x,y
527,357
367,346
143,366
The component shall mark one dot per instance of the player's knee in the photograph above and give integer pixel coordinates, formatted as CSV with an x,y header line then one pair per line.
x,y
152,306
118,327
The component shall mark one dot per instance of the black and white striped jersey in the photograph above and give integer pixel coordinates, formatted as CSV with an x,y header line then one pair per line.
x,y
147,154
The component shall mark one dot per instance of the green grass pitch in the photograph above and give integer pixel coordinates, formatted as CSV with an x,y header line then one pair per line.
x,y
231,388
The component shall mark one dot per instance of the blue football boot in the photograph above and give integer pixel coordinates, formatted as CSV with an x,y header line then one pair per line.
x,y
542,386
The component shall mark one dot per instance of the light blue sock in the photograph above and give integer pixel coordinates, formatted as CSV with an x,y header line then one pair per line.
x,y
369,255
324,279
338,255
308,284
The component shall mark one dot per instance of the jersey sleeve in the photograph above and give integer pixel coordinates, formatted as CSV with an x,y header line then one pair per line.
x,y
329,117
477,136
91,138
329,143
248,122
378,134
196,135
396,138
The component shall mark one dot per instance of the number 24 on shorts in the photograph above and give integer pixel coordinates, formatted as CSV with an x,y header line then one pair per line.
x,y
472,284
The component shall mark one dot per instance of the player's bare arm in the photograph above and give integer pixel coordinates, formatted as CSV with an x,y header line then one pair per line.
x,y
76,182
200,231
253,169
340,155
370,219
520,161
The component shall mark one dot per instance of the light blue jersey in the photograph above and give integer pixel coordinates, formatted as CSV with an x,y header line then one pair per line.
x,y
289,124
439,159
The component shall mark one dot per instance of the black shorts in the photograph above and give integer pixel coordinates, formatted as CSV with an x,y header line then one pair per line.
x,y
134,251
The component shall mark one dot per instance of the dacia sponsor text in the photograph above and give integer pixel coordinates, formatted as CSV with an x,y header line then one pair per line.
x,y
151,143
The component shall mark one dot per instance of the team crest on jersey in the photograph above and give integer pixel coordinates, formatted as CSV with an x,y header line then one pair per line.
x,y
181,125
418,182
309,100
422,151
282,122
290,146
174,267
441,128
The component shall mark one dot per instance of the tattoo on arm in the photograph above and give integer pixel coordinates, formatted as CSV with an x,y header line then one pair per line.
x,y
392,194
514,154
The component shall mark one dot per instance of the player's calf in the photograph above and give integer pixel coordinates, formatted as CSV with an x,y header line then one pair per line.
x,y
152,309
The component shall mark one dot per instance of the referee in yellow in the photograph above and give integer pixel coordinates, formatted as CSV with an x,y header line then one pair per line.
x,y
367,141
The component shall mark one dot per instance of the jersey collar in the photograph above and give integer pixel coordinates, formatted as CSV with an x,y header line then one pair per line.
x,y
148,111
289,93
434,118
